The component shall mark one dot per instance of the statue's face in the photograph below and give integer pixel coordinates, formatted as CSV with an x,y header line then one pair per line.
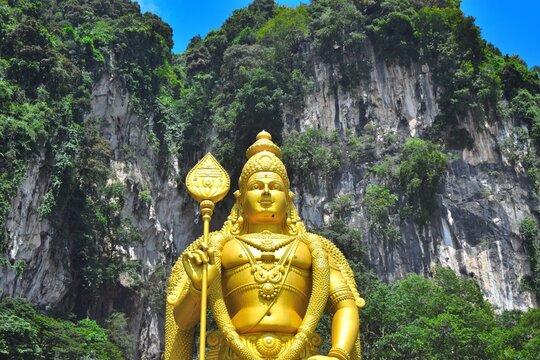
x,y
265,200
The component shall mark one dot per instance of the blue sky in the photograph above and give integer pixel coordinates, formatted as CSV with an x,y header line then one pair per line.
x,y
512,26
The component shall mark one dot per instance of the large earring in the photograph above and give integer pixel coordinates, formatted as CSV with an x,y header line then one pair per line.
x,y
238,220
291,220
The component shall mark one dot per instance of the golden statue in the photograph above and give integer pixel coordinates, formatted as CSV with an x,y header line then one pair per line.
x,y
269,279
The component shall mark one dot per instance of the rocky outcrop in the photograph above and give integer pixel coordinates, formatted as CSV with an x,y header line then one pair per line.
x,y
480,203
167,224
31,238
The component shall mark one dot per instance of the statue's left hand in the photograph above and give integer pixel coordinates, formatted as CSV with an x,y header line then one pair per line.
x,y
322,357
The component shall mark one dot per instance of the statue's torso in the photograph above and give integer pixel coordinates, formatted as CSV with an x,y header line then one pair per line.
x,y
261,298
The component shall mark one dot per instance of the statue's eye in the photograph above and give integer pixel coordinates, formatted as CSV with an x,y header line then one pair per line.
x,y
255,187
276,187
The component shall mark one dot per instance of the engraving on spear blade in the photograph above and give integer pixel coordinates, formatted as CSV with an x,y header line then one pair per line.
x,y
208,180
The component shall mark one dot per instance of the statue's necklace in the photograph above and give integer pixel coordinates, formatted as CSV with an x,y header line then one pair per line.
x,y
267,241
268,272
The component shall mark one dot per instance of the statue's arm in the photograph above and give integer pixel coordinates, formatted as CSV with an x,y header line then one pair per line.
x,y
185,294
188,312
345,321
183,298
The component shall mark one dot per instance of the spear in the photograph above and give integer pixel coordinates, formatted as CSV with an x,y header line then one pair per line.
x,y
208,183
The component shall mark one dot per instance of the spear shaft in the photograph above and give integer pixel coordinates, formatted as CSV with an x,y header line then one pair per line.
x,y
207,182
207,208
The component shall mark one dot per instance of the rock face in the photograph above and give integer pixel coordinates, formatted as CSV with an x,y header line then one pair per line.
x,y
31,239
167,225
479,204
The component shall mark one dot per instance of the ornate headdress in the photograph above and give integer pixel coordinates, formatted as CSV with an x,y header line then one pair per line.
x,y
263,155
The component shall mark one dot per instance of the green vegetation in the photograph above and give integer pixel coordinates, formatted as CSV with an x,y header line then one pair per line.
x,y
117,328
317,152
415,173
338,32
444,317
27,334
312,151
380,203
341,206
18,266
146,197
422,165
530,232
51,54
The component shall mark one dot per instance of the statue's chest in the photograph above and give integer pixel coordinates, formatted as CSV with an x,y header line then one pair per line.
x,y
236,254
263,270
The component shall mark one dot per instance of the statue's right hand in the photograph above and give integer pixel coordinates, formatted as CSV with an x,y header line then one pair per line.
x,y
194,261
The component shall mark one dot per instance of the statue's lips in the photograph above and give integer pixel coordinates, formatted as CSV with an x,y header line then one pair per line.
x,y
266,203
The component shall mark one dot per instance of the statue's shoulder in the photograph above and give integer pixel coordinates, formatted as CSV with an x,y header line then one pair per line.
x,y
218,239
335,256
310,237
338,262
319,240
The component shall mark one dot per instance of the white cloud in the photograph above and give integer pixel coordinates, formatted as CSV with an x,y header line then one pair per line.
x,y
148,6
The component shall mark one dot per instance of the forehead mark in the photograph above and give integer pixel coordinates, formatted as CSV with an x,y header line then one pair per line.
x,y
265,175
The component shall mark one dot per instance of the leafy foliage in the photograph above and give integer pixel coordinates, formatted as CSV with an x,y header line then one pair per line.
x,y
338,31
27,334
529,230
286,30
119,335
422,165
392,29
440,318
313,149
380,203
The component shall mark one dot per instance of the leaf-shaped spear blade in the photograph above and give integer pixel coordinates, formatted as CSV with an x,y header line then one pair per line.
x,y
208,180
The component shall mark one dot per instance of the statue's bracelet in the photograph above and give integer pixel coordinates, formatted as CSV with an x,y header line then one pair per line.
x,y
339,353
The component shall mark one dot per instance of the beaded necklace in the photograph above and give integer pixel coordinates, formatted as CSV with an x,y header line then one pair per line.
x,y
266,241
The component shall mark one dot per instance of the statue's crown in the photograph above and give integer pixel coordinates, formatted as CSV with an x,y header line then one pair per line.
x,y
263,155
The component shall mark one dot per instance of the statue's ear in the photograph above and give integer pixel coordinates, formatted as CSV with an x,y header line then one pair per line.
x,y
237,194
291,195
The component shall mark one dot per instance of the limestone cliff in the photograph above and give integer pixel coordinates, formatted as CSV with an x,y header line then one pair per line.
x,y
480,203
473,228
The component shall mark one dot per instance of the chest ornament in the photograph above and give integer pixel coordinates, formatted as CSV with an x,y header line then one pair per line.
x,y
268,272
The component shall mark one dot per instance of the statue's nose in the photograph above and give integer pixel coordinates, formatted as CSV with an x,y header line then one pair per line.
x,y
266,190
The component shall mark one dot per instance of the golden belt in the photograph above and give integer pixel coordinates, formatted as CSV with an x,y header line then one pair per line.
x,y
267,345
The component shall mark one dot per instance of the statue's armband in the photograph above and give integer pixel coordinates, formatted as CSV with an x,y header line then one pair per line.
x,y
340,293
